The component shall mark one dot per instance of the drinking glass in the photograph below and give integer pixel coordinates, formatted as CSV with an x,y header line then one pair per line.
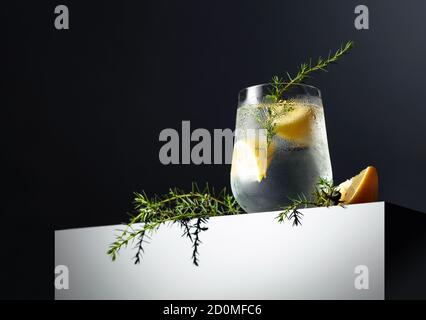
x,y
280,148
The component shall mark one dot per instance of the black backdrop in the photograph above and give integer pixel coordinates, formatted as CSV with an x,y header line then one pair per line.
x,y
82,108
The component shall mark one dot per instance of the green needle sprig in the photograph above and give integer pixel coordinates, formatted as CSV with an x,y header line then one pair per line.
x,y
267,113
279,86
192,210
175,207
325,195
275,106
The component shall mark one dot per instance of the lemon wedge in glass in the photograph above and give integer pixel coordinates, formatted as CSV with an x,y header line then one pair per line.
x,y
296,124
250,160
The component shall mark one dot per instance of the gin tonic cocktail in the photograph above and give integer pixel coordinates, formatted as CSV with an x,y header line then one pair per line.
x,y
280,148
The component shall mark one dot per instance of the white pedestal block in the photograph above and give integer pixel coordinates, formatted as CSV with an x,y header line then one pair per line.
x,y
365,251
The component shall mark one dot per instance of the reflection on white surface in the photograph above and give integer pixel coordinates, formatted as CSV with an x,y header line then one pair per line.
x,y
241,257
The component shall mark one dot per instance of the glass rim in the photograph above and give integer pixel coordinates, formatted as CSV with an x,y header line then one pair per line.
x,y
270,84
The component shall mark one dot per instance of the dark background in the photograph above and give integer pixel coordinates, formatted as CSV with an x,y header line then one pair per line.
x,y
81,109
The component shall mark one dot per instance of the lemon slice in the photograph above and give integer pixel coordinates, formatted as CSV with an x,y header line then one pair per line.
x,y
362,188
251,161
296,125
